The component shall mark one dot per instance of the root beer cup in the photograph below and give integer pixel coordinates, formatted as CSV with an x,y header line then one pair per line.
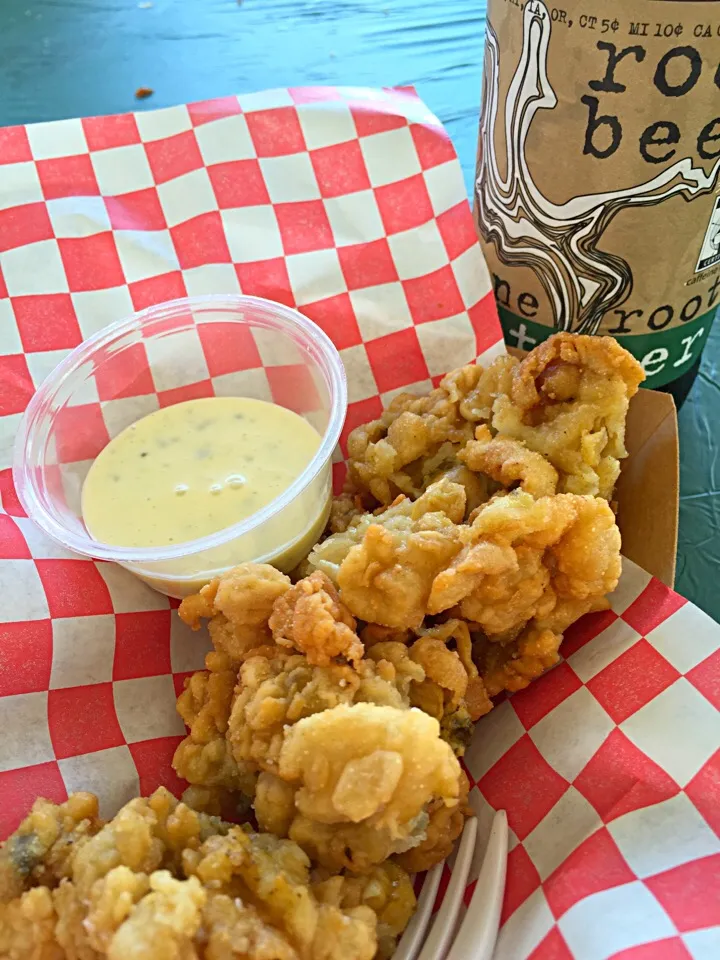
x,y
598,176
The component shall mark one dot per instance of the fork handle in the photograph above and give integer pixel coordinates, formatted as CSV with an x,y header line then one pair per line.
x,y
479,929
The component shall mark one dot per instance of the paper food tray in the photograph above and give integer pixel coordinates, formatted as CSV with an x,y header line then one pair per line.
x,y
350,205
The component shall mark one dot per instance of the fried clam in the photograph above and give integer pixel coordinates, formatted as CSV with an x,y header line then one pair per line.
x,y
510,463
310,618
513,665
204,758
147,834
568,400
237,605
453,691
103,875
385,888
548,560
400,451
27,927
163,882
38,852
364,778
403,516
384,564
444,825
266,880
276,691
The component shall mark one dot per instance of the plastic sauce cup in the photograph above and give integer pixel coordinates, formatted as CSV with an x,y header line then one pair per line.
x,y
233,346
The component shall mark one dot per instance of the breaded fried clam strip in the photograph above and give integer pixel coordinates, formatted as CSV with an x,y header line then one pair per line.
x,y
364,777
310,618
568,401
238,605
452,691
394,453
385,564
524,558
509,462
403,516
204,758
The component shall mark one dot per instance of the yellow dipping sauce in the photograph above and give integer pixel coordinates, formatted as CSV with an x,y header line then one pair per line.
x,y
197,467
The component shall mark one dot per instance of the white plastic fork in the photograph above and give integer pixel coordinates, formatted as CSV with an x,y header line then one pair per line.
x,y
478,931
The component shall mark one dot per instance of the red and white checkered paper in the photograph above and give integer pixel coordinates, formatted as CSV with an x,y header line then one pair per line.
x,y
348,204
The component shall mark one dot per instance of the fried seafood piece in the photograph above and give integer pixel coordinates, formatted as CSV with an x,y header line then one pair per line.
x,y
38,852
163,922
310,618
276,691
445,824
388,577
441,685
386,889
514,665
443,504
568,401
548,560
102,874
277,915
450,688
453,691
510,463
397,452
147,834
446,465
473,388
384,564
365,776
344,509
27,927
197,888
127,915
238,605
204,757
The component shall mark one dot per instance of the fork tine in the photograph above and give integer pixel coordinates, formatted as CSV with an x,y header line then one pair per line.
x,y
415,930
478,931
444,926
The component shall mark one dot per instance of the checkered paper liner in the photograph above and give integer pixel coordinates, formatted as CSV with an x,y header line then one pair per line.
x,y
348,204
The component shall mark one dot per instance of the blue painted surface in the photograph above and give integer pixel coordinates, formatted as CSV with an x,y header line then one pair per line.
x,y
69,58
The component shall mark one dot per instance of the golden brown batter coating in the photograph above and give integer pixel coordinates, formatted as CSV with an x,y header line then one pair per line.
x,y
568,401
163,882
309,617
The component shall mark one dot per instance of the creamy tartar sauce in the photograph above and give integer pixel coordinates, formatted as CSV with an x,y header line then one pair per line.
x,y
195,468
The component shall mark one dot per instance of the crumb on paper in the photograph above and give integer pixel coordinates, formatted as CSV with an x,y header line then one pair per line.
x,y
142,93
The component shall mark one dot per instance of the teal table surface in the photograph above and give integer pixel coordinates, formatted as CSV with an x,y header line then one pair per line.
x,y
70,58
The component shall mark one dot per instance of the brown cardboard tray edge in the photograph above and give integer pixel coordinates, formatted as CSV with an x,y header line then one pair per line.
x,y
647,492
